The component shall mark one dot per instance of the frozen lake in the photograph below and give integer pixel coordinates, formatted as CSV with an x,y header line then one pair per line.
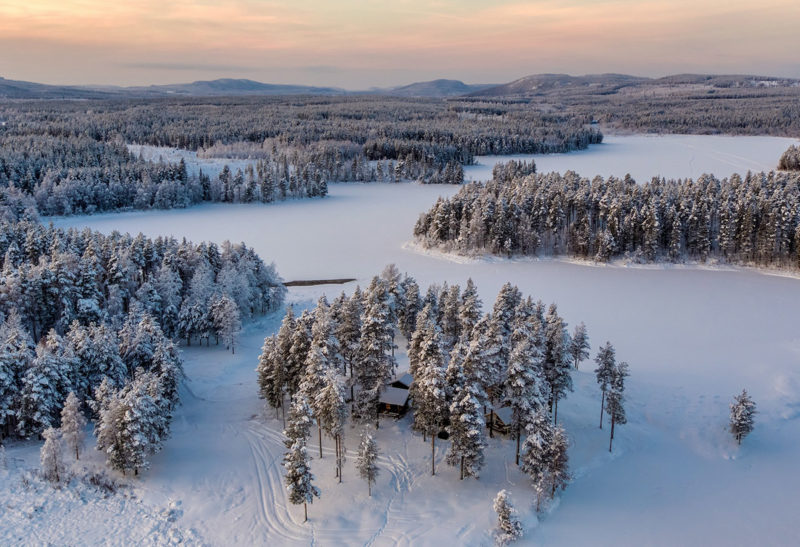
x,y
694,337
646,156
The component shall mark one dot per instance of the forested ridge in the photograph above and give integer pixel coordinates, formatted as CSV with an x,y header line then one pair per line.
x,y
750,220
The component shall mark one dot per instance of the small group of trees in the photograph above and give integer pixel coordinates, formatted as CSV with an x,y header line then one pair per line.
x,y
461,362
790,160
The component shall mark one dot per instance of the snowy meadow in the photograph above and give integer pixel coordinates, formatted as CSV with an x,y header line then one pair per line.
x,y
694,337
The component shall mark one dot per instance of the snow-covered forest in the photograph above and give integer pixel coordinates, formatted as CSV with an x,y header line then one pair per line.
x,y
746,220
62,158
466,369
99,317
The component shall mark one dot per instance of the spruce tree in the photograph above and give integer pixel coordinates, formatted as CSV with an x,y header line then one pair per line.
x,y
73,424
298,478
509,528
271,374
557,369
606,363
367,460
579,344
50,455
615,399
467,425
743,410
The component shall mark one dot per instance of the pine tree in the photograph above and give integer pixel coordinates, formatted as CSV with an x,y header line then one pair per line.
x,y
743,410
227,320
536,458
298,425
509,528
50,455
271,374
283,342
606,363
73,424
615,399
16,356
331,412
467,425
367,460
579,344
557,369
44,387
298,476
521,389
429,388
470,311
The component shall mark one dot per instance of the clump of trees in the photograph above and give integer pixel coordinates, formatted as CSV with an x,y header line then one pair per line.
x,y
462,363
790,160
750,220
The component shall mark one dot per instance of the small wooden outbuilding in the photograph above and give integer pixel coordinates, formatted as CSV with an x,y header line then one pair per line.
x,y
393,401
402,382
499,419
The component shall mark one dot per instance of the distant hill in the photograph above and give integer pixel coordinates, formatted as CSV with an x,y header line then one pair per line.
x,y
14,89
606,84
232,87
435,88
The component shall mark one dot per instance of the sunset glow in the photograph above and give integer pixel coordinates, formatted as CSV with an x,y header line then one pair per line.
x,y
355,44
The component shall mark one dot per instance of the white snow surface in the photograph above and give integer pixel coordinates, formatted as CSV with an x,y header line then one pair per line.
x,y
647,156
694,337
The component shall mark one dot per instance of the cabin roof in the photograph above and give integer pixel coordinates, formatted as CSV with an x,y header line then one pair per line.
x,y
405,379
504,413
394,396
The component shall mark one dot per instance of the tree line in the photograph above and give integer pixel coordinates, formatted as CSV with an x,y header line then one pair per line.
x,y
335,361
749,220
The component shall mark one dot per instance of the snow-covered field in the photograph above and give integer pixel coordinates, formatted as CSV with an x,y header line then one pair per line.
x,y
693,336
646,156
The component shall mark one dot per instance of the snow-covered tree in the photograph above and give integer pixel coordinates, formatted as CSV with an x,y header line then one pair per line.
x,y
16,356
521,389
50,455
298,424
606,364
227,320
467,425
298,350
367,460
375,363
429,387
509,528
579,344
615,399
743,410
330,410
557,369
271,374
535,458
470,311
44,386
73,424
298,478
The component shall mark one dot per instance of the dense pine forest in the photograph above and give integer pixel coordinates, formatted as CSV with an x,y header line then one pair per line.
x,y
97,318
750,220
71,157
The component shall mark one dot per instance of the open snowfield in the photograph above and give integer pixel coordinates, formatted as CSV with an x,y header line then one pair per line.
x,y
646,156
694,337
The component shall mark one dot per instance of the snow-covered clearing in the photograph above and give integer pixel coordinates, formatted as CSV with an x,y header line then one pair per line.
x,y
646,156
694,338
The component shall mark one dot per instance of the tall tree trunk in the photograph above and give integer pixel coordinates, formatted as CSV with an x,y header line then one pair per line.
x,y
319,428
518,435
555,411
611,440
491,425
602,403
433,454
462,468
305,512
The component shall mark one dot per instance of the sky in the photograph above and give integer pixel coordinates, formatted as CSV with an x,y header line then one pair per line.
x,y
361,44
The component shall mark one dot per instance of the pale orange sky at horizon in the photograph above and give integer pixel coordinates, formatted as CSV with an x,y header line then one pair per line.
x,y
359,44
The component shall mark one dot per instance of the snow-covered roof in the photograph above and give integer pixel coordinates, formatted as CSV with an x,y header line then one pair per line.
x,y
394,396
405,379
504,413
